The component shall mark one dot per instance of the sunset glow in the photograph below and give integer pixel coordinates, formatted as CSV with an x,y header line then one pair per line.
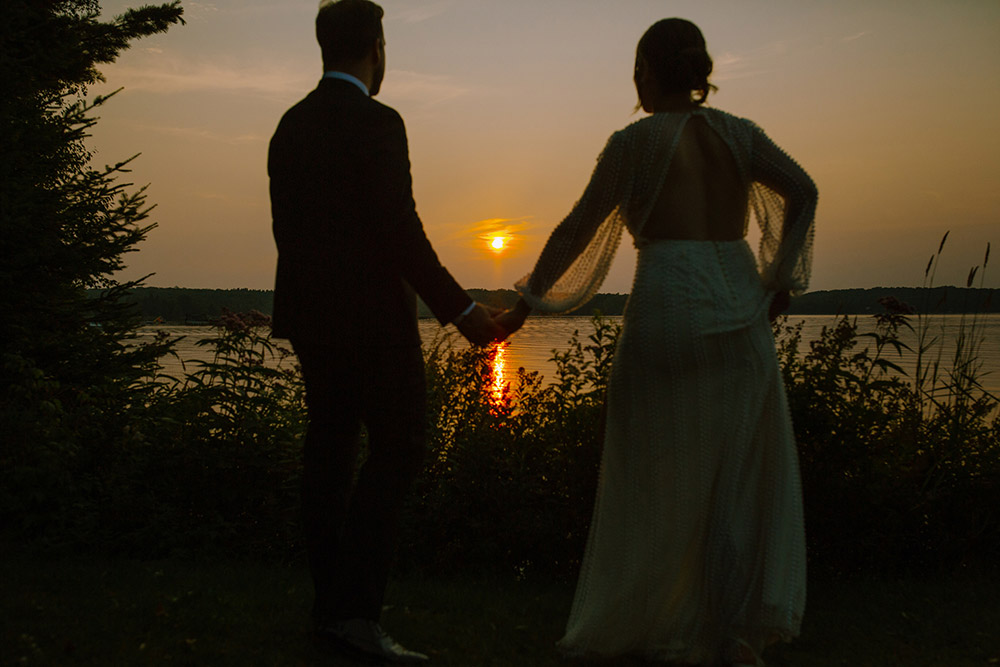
x,y
497,162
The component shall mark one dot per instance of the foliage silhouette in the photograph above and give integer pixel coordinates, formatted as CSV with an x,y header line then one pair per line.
x,y
67,378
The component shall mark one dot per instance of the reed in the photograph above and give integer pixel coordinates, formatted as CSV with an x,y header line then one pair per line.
x,y
951,385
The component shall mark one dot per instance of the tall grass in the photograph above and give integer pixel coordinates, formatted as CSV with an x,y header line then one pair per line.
x,y
909,465
952,385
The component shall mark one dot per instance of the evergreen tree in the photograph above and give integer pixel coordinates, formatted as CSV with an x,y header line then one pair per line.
x,y
65,225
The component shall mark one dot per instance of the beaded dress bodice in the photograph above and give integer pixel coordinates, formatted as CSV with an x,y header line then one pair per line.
x,y
625,184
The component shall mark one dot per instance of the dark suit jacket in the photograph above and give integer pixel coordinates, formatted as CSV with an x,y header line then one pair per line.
x,y
351,248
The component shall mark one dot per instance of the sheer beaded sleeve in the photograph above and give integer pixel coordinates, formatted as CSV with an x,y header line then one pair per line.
x,y
577,255
783,199
625,184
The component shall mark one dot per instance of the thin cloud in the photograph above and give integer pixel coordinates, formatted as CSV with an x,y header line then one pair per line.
x,y
490,227
851,38
198,11
163,74
212,196
203,134
726,64
493,225
419,13
933,194
729,66
157,72
423,89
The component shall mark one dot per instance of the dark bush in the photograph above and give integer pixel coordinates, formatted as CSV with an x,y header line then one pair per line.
x,y
67,376
895,474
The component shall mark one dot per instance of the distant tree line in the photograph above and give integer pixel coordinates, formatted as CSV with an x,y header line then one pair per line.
x,y
183,305
925,300
197,306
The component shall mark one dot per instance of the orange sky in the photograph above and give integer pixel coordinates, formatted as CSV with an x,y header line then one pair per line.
x,y
891,107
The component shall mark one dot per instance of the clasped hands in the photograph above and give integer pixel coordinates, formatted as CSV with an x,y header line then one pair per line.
x,y
485,324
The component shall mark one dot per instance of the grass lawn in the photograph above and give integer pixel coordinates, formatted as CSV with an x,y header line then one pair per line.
x,y
87,612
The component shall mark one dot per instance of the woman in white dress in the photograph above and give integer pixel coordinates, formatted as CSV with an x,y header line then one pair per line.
x,y
696,552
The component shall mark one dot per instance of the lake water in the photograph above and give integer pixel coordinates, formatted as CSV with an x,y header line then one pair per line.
x,y
532,346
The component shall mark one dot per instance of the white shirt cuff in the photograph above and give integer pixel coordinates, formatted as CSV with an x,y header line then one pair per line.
x,y
461,316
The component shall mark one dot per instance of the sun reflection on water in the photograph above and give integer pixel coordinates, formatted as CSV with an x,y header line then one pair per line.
x,y
498,379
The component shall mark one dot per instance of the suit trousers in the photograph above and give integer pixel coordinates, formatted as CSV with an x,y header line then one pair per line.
x,y
351,509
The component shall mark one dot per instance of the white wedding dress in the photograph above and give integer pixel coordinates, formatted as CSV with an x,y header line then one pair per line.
x,y
697,544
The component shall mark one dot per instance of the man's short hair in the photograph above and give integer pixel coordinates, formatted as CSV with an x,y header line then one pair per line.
x,y
346,30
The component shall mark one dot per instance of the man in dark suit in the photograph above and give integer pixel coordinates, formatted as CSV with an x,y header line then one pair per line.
x,y
351,252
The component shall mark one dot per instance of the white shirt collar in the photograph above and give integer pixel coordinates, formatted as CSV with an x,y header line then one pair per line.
x,y
343,76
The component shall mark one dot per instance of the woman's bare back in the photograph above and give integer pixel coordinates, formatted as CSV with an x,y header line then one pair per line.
x,y
703,197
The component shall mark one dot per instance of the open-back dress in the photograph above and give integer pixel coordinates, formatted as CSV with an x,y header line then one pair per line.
x,y
696,547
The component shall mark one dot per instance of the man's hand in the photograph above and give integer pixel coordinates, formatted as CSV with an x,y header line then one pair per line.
x,y
779,304
479,327
493,311
511,320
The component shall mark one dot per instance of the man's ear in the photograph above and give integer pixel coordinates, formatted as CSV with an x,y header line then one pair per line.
x,y
377,53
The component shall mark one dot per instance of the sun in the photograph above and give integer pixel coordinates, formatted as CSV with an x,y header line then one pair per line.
x,y
498,242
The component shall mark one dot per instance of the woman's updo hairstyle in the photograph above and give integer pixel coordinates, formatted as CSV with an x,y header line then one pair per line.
x,y
674,51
